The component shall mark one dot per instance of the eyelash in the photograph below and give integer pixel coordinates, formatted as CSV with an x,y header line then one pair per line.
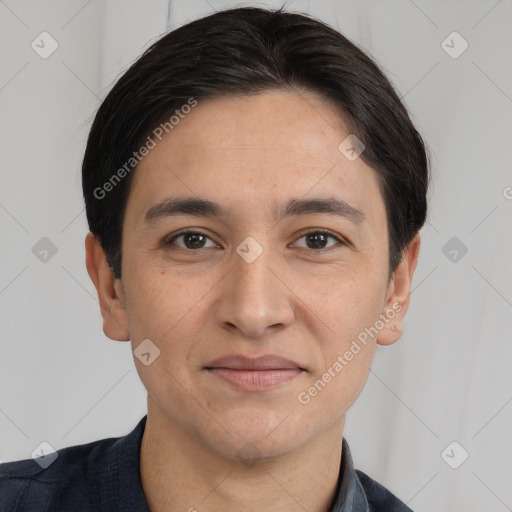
x,y
341,241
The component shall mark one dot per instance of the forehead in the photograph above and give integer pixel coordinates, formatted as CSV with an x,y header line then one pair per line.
x,y
255,150
299,123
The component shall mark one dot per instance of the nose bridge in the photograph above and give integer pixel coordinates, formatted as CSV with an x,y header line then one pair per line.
x,y
255,298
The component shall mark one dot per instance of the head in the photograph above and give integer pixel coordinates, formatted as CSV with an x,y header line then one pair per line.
x,y
254,186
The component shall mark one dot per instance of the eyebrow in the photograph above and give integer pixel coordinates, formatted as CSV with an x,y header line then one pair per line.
x,y
204,208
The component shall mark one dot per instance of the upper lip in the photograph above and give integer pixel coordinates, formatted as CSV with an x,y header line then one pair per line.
x,y
265,362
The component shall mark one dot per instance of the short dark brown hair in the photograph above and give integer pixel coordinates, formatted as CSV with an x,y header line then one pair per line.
x,y
247,51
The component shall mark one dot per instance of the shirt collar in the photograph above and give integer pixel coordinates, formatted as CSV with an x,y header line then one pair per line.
x,y
122,486
350,495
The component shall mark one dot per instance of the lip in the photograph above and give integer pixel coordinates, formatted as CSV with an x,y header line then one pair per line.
x,y
265,362
254,373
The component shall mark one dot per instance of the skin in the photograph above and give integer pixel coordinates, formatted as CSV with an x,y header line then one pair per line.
x,y
250,154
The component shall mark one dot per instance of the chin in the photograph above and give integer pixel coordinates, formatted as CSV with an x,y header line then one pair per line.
x,y
258,436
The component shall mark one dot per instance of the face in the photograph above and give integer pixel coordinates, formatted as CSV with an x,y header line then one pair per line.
x,y
253,300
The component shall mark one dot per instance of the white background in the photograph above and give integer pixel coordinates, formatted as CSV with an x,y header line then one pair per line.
x,y
448,379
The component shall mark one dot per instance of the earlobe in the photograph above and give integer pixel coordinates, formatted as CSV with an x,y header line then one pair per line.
x,y
399,293
110,292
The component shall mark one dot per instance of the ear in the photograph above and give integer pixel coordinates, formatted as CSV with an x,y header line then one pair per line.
x,y
398,294
110,291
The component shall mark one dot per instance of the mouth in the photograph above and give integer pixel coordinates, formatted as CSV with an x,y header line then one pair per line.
x,y
255,374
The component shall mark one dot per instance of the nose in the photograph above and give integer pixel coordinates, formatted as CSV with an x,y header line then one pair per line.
x,y
255,298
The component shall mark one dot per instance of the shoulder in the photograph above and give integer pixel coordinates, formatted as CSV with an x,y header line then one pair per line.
x,y
81,478
63,475
378,497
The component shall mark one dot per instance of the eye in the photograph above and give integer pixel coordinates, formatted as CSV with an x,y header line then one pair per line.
x,y
192,240
196,240
318,240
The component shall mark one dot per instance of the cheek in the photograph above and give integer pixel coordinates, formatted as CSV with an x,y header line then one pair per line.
x,y
344,347
159,301
349,346
169,311
344,301
342,314
173,309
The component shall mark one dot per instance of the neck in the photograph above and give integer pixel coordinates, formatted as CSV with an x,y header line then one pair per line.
x,y
180,473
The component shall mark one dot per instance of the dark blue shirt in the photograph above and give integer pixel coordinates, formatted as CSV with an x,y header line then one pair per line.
x,y
103,476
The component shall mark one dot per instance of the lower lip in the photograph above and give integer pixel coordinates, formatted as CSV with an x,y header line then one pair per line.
x,y
256,380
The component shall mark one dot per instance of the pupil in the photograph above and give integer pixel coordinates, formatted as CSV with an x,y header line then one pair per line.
x,y
318,240
193,240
